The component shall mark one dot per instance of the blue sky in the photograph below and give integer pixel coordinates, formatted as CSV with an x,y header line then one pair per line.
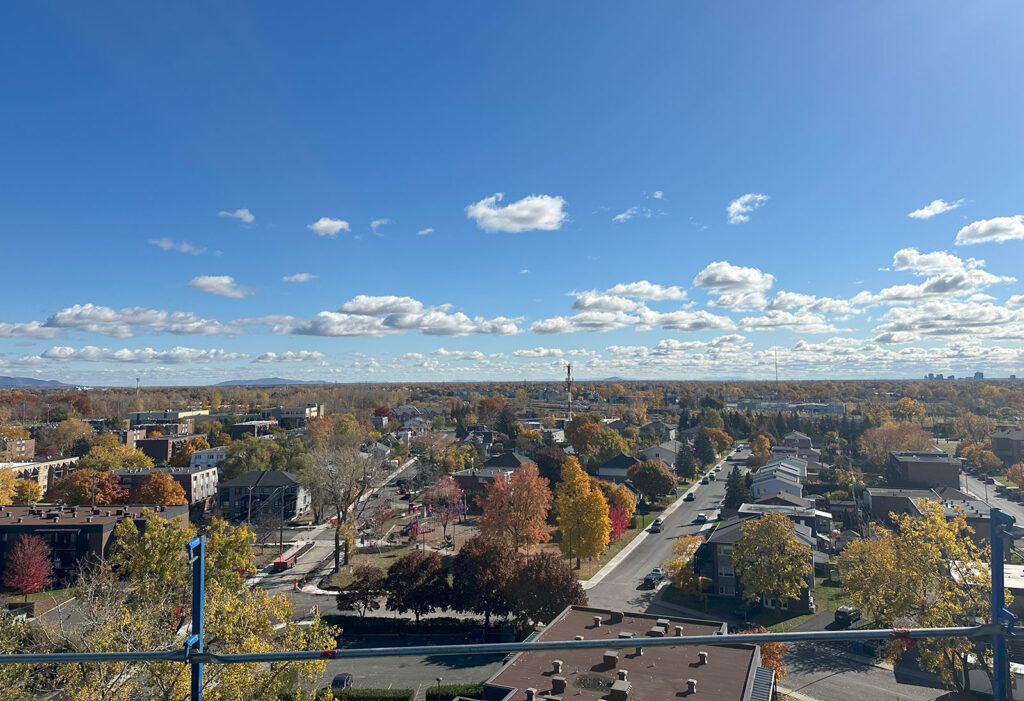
x,y
753,164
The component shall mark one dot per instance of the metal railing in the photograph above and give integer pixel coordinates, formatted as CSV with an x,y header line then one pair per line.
x,y
998,629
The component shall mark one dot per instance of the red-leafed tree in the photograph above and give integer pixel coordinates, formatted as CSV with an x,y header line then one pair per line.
x,y
619,522
443,500
382,411
28,567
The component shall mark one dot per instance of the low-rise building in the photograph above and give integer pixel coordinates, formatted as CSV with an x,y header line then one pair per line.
x,y
924,469
45,471
795,439
262,492
666,452
136,418
718,673
199,483
209,457
17,449
74,532
658,430
1008,445
293,416
254,429
772,479
161,448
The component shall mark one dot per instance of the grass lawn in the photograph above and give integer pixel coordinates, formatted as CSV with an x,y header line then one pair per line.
x,y
44,600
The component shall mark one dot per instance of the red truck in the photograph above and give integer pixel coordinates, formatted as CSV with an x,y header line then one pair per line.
x,y
282,564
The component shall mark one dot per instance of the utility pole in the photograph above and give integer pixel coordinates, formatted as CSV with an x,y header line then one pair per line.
x,y
568,388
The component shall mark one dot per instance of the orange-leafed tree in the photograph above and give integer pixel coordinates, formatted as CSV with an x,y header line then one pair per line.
x,y
28,567
87,487
183,456
515,509
157,488
1016,474
443,498
773,655
27,491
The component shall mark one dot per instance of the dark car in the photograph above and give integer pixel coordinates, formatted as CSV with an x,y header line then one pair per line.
x,y
847,615
650,582
341,682
688,497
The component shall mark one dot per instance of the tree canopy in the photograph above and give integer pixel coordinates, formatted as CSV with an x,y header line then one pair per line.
x,y
769,559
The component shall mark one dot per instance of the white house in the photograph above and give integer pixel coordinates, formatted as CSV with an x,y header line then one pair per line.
x,y
210,457
776,478
665,452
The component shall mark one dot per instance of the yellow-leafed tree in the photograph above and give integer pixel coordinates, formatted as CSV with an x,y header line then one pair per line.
x,y
769,559
582,514
680,568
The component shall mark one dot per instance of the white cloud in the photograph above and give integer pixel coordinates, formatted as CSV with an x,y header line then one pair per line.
x,y
740,301
179,246
524,271
945,318
722,277
658,195
633,212
740,208
647,290
459,355
30,329
804,322
950,277
935,263
325,226
223,285
933,208
810,303
1015,301
992,230
542,212
584,321
177,355
303,356
374,306
131,321
603,302
541,352
425,232
299,277
378,223
241,214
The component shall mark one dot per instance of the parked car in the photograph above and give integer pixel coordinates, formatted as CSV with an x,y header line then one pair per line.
x,y
705,481
650,582
711,476
847,615
990,480
341,682
656,572
702,517
688,497
657,525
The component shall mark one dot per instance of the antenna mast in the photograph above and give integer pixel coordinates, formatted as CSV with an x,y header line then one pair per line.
x,y
778,394
568,387
137,381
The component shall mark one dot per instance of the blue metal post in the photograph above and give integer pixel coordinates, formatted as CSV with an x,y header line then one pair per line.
x,y
197,555
1000,615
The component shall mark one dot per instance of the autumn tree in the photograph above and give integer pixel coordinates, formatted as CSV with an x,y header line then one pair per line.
x,y
680,568
618,496
363,593
980,457
27,492
773,655
1016,474
543,587
607,443
183,456
8,484
582,514
87,487
28,567
720,440
483,573
108,454
618,523
770,560
443,498
710,418
515,508
417,582
926,572
759,444
651,479
876,443
971,427
157,488
908,410
703,448
69,431
488,407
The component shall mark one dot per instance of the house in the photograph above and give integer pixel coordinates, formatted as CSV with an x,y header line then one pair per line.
x,y
616,469
476,479
377,451
714,561
209,457
795,439
379,422
881,502
923,469
774,479
820,522
666,452
714,673
198,482
785,499
616,424
689,435
262,492
254,429
1008,445
843,539
658,430
74,533
161,448
797,464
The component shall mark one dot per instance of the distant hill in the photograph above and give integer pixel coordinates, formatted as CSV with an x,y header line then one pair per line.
x,y
268,382
6,381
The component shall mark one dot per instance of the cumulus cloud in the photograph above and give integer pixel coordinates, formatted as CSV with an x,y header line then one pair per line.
x,y
542,212
241,214
179,246
934,207
325,226
299,277
632,212
801,321
946,318
584,321
992,230
647,290
425,232
524,271
377,224
722,277
603,302
177,355
29,329
131,321
658,195
1015,301
947,276
223,285
740,208
459,355
541,352
372,306
303,356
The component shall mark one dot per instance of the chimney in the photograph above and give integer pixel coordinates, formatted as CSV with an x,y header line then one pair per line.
x,y
622,674
611,658
703,656
531,694
615,617
558,685
679,631
639,652
597,621
556,666
578,637
691,686
625,635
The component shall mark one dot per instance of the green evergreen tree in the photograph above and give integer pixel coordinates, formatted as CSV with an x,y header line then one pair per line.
x,y
686,462
703,448
736,490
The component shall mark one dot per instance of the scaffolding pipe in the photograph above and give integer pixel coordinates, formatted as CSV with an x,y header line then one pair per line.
x,y
1000,615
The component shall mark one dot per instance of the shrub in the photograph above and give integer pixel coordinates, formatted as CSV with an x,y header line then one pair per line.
x,y
376,695
447,692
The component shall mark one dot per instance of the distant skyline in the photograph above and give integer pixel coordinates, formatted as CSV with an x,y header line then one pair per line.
x,y
193,194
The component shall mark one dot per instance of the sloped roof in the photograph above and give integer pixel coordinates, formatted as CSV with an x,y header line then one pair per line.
x,y
622,461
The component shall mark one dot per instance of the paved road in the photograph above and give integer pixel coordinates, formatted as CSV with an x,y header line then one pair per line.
x,y
620,588
978,488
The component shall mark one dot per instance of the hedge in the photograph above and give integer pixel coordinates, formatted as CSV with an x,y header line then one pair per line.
x,y
375,695
447,692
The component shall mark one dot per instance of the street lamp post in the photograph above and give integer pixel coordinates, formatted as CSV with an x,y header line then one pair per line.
x,y
439,688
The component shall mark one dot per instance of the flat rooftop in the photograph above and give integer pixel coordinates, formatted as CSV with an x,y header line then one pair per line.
x,y
659,673
50,515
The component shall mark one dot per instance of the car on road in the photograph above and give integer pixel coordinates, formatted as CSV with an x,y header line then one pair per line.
x,y
688,497
702,517
657,525
705,481
990,480
341,682
847,615
711,476
650,582
656,572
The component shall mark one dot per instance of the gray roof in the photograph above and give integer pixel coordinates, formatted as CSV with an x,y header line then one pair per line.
x,y
1015,434
261,478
